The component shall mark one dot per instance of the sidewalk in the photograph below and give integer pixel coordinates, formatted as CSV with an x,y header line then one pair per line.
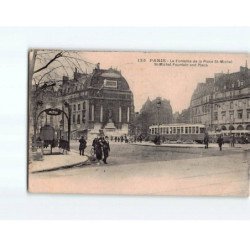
x,y
57,161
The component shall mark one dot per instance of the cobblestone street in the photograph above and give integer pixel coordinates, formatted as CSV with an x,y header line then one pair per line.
x,y
138,169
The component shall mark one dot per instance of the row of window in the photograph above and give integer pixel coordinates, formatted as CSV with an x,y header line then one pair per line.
x,y
76,119
78,106
197,119
234,84
231,114
176,130
107,84
206,108
117,95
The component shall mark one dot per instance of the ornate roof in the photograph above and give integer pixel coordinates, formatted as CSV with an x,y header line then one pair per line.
x,y
97,77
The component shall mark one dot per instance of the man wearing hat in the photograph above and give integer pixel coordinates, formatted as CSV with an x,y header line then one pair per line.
x,y
106,149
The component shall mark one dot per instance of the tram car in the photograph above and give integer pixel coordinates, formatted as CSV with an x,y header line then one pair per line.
x,y
180,132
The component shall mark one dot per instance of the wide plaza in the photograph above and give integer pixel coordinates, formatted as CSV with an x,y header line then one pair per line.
x,y
153,170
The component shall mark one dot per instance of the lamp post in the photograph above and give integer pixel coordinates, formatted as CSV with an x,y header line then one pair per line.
x,y
37,105
158,105
66,104
61,129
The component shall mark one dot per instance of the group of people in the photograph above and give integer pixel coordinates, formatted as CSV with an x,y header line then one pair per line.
x,y
119,139
100,146
220,141
101,149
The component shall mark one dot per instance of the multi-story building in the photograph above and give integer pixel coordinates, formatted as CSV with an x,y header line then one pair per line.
x,y
100,102
223,102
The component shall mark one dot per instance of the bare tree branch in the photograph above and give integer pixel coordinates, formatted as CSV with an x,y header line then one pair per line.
x,y
72,68
48,73
80,59
52,60
71,61
63,67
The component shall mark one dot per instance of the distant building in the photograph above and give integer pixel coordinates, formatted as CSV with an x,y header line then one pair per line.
x,y
176,117
183,117
148,115
223,102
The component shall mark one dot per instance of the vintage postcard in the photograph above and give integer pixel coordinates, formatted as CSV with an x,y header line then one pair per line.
x,y
138,123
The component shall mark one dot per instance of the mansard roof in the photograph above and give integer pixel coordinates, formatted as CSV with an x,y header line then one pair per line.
x,y
223,82
97,77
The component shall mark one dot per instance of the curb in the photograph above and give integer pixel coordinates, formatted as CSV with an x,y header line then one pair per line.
x,y
79,164
174,146
166,146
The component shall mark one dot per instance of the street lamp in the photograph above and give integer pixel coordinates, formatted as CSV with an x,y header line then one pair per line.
x,y
61,128
38,104
66,104
158,105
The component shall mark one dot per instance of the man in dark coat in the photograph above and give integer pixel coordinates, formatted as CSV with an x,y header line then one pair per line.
x,y
82,145
206,140
94,142
220,142
98,150
106,149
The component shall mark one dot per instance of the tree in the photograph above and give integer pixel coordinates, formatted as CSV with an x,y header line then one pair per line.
x,y
46,68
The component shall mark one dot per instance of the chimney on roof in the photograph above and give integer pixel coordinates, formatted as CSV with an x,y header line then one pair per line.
x,y
75,74
65,79
209,80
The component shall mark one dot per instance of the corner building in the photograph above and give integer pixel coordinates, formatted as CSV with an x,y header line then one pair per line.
x,y
100,103
223,102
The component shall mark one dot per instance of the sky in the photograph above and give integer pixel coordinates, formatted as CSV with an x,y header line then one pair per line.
x,y
176,82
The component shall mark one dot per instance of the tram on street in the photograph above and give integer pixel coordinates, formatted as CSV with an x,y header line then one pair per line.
x,y
179,132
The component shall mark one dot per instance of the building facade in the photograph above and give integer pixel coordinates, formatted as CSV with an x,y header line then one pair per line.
x,y
223,102
98,103
151,114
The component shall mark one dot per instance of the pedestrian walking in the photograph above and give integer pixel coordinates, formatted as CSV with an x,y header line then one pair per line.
x,y
98,150
206,140
94,142
106,149
82,145
246,140
61,145
232,140
220,142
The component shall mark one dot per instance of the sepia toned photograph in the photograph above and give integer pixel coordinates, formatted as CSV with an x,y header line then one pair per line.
x,y
138,123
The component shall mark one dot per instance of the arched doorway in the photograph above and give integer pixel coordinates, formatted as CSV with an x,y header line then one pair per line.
x,y
240,127
56,112
248,127
231,127
223,128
